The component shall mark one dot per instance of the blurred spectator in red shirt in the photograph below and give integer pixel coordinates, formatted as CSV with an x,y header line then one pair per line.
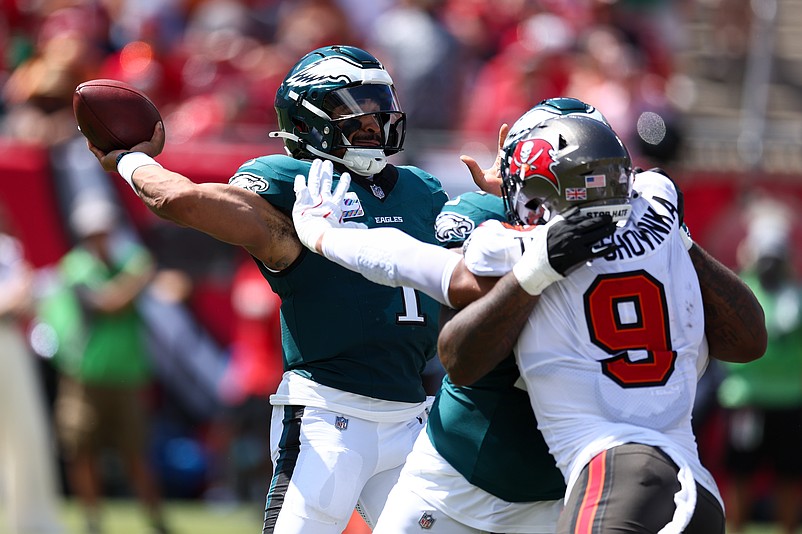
x,y
255,367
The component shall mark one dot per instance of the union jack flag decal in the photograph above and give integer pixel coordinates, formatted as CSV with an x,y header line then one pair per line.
x,y
576,193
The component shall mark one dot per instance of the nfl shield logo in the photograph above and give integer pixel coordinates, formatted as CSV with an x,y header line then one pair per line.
x,y
378,192
341,423
426,520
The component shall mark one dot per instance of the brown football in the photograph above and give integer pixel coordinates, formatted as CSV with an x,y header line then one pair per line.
x,y
113,114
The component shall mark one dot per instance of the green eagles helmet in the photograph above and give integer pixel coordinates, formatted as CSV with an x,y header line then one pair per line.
x,y
563,162
549,109
330,94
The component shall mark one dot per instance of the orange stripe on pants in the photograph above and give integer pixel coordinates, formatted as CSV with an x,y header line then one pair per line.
x,y
593,493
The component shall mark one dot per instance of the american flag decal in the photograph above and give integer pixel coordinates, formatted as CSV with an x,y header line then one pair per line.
x,y
595,180
576,193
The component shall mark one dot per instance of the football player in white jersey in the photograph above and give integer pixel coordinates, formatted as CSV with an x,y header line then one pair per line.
x,y
551,250
611,354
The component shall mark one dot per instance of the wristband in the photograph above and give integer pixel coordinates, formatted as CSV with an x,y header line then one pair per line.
x,y
117,161
534,271
128,162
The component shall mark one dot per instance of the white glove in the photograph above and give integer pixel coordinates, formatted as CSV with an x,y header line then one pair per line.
x,y
318,209
493,248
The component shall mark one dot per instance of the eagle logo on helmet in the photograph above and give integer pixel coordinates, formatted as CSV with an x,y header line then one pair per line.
x,y
337,70
534,158
322,72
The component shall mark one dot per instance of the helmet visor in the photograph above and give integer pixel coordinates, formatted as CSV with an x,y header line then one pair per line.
x,y
361,99
367,116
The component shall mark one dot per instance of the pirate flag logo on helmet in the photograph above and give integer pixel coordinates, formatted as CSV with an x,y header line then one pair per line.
x,y
534,158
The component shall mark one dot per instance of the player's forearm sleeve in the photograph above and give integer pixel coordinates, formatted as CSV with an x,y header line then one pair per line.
x,y
389,257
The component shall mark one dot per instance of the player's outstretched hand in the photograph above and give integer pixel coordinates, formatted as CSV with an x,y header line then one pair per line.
x,y
567,241
488,180
152,148
317,208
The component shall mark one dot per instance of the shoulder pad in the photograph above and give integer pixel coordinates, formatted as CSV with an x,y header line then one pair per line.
x,y
272,177
494,247
431,181
275,168
650,184
460,216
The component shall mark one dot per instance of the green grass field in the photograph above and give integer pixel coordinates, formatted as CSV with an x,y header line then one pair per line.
x,y
125,517
184,517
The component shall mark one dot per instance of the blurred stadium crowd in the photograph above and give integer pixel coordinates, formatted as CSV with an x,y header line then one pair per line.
x,y
461,69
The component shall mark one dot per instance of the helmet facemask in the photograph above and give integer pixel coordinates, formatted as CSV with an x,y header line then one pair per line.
x,y
521,208
367,125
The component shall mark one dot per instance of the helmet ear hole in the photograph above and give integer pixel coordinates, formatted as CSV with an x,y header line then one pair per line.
x,y
300,125
532,204
562,143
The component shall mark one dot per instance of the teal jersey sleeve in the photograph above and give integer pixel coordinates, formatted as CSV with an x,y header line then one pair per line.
x,y
338,328
272,177
460,216
431,186
488,431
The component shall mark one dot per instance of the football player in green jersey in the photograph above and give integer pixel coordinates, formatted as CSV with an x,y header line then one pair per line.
x,y
351,402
